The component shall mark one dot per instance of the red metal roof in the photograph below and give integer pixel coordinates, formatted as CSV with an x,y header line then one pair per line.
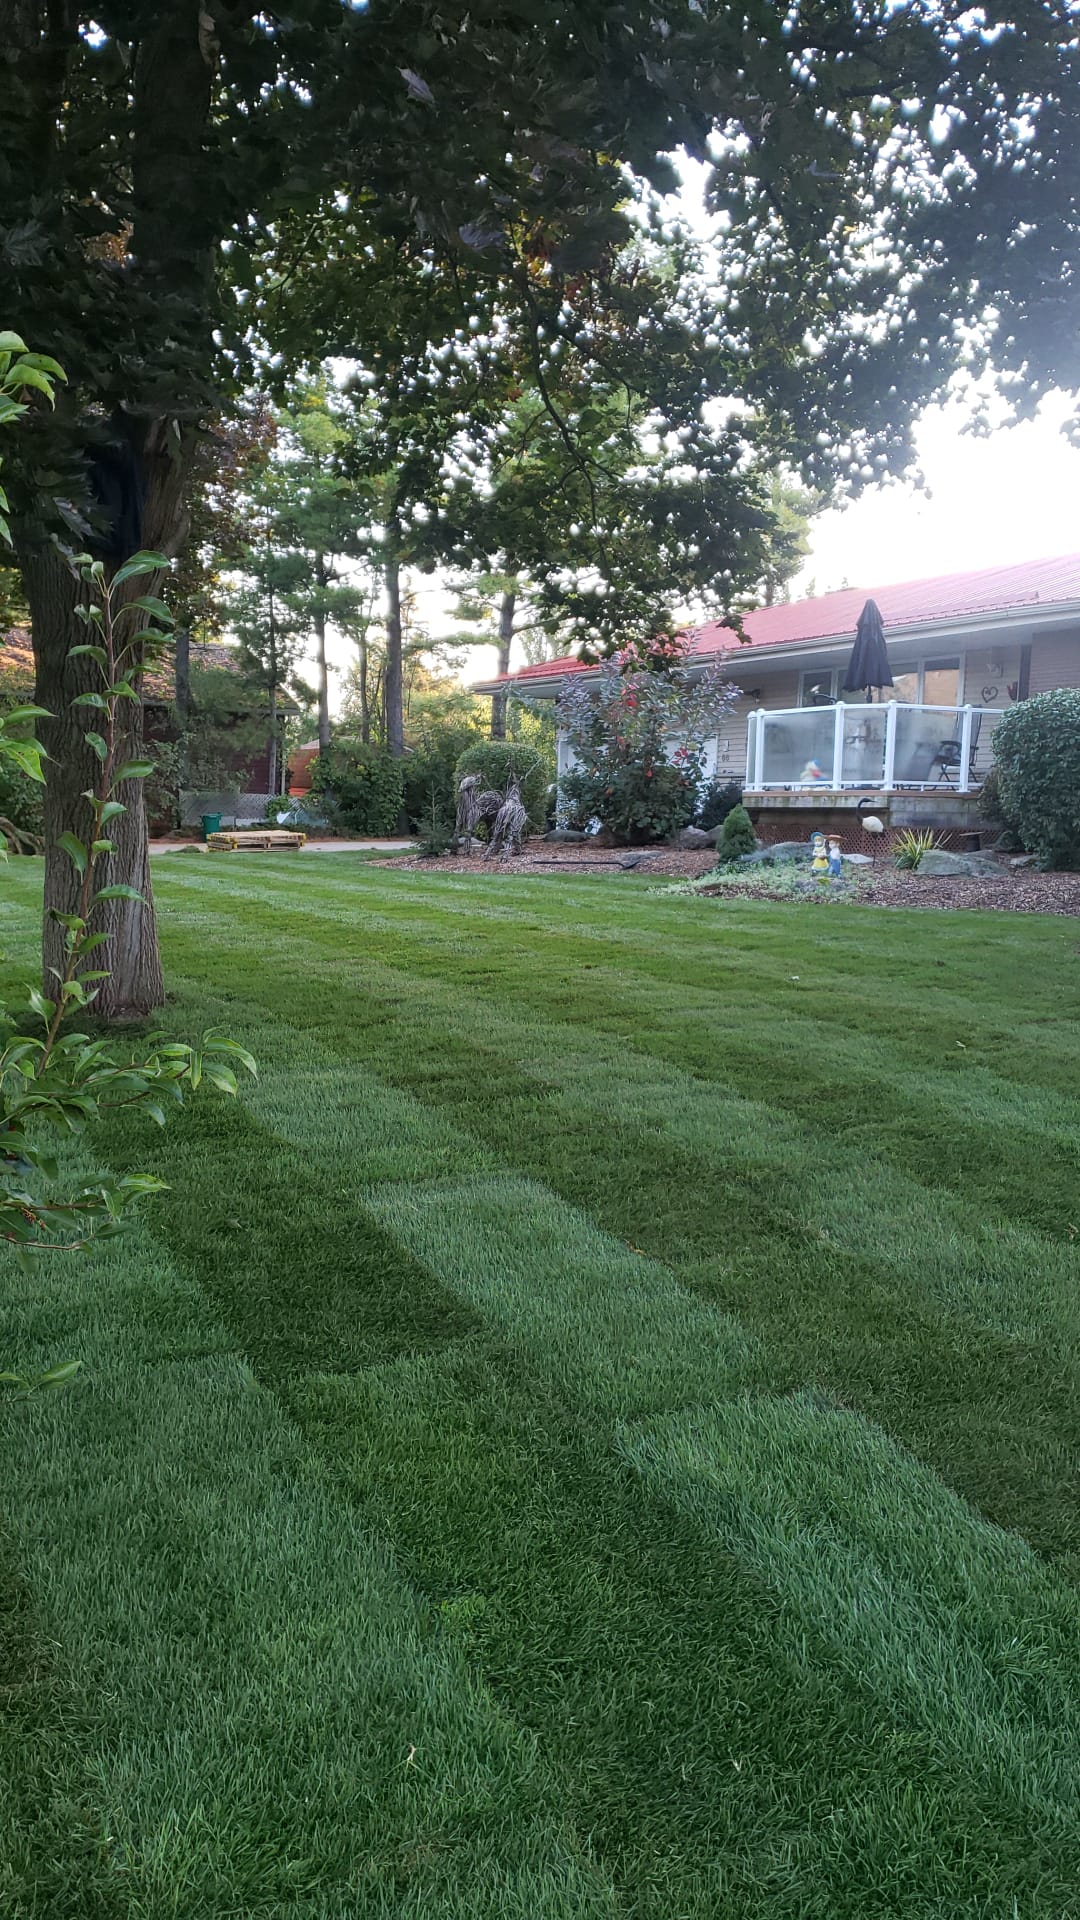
x,y
910,603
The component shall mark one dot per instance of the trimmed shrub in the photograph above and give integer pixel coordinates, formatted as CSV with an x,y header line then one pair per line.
x,y
737,837
715,802
361,787
1037,751
992,811
499,762
431,767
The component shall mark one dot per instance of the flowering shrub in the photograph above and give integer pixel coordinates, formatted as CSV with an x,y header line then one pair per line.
x,y
639,743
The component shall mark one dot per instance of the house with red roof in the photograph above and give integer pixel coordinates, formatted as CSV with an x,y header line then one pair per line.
x,y
962,648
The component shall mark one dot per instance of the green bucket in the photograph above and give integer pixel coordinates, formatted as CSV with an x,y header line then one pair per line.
x,y
211,823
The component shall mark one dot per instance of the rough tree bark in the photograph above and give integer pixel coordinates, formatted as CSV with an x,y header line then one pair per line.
x,y
135,984
507,609
395,717
319,621
173,235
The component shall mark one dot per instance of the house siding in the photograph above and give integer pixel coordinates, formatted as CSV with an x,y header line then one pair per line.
x,y
726,759
1055,659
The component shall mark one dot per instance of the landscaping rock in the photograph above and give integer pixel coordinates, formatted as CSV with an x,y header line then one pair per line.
x,y
785,850
858,859
1020,860
565,837
784,853
938,864
694,837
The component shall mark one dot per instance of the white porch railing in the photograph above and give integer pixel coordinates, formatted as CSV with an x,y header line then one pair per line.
x,y
870,747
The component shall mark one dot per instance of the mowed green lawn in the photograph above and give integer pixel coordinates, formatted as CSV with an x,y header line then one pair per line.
x,y
594,1433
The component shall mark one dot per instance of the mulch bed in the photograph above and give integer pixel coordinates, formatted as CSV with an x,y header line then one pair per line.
x,y
1023,892
1015,892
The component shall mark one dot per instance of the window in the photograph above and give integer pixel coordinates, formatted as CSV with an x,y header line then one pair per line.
x,y
932,683
941,683
818,689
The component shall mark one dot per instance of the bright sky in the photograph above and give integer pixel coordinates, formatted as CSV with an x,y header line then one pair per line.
x,y
1012,496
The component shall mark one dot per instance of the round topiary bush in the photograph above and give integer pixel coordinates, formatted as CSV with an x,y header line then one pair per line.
x,y
1037,751
361,786
500,761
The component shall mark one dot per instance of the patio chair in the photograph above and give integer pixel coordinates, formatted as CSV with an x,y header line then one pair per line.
x,y
950,753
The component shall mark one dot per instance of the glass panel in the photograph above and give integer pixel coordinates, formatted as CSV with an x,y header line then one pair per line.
x,y
941,683
816,689
927,749
798,748
864,746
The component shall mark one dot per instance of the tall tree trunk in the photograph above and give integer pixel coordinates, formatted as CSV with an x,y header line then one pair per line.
x,y
320,650
507,609
392,686
135,984
173,248
182,644
365,703
272,777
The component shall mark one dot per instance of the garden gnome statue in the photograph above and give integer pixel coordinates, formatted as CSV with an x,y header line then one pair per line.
x,y
819,859
836,865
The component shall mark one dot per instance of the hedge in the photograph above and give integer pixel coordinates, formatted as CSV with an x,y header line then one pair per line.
x,y
1037,751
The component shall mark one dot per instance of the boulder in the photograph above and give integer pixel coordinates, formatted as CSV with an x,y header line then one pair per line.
x,y
857,859
789,850
939,864
1021,860
565,837
784,853
693,837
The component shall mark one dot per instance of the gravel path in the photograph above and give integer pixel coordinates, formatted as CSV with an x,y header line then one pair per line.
x,y
1020,892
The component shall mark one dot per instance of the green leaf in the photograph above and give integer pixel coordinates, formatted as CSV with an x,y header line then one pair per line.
x,y
75,850
150,604
27,755
119,892
56,1376
12,343
111,811
140,563
134,770
214,1043
29,376
96,653
91,700
103,846
42,1007
15,716
97,745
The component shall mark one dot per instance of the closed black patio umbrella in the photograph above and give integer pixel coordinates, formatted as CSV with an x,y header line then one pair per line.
x,y
869,664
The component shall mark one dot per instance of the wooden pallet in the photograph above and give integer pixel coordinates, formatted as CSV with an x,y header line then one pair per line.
x,y
255,840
